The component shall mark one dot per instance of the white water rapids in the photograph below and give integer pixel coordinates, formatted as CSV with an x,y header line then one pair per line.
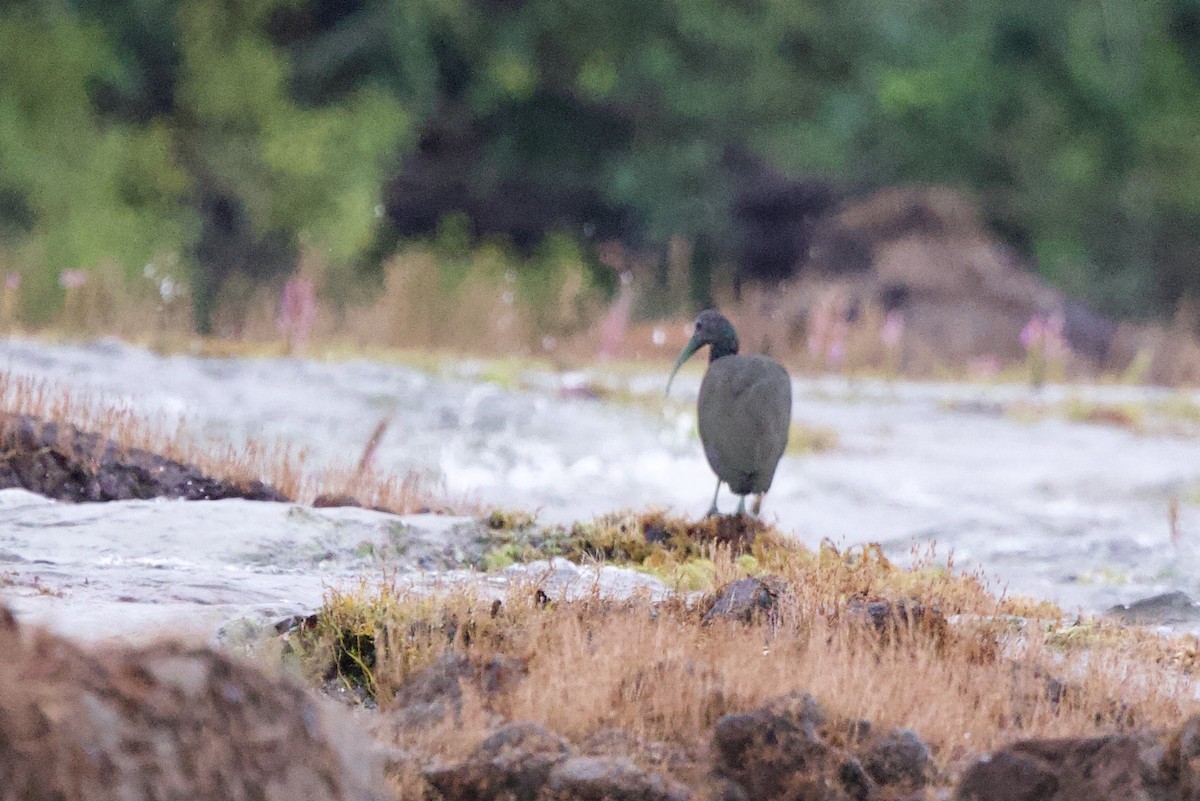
x,y
1072,512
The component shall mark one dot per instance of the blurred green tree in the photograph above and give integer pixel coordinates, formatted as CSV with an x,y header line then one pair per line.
x,y
234,132
270,170
74,191
1077,123
619,119
183,124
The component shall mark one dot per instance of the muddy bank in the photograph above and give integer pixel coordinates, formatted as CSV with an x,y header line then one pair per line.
x,y
59,461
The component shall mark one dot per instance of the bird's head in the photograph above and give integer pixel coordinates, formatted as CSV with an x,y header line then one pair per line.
x,y
712,329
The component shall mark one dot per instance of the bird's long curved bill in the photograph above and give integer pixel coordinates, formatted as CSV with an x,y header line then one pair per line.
x,y
691,347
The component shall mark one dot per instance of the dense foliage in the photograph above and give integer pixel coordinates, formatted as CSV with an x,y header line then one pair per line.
x,y
223,136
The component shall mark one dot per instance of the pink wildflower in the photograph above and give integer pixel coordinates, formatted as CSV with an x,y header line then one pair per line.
x,y
72,279
612,329
1056,343
818,329
835,355
297,311
893,329
1034,332
985,366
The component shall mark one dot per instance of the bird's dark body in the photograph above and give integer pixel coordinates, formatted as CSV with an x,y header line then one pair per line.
x,y
745,410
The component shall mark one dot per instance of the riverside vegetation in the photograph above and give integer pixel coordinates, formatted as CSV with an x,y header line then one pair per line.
x,y
926,648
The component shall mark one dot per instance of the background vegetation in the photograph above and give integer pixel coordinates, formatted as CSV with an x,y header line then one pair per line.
x,y
189,141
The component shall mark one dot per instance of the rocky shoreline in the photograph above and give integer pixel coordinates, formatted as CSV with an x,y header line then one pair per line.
x,y
177,721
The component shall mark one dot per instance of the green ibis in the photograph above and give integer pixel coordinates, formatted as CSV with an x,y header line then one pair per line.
x,y
744,410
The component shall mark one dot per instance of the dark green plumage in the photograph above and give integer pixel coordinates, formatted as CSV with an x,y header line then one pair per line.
x,y
744,409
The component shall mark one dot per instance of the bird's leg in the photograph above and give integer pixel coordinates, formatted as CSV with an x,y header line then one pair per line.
x,y
741,512
756,508
713,511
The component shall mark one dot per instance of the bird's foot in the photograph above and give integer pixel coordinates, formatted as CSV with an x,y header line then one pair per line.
x,y
713,512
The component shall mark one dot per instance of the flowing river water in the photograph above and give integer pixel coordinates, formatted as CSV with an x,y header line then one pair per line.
x,y
1069,511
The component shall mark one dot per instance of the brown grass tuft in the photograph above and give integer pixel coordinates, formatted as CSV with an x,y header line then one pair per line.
x,y
274,463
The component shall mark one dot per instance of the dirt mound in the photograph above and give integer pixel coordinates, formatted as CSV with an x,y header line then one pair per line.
x,y
925,254
166,721
64,463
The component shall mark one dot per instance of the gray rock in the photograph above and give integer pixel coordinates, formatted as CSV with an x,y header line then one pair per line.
x,y
435,692
1008,776
898,757
167,721
1120,766
1183,758
746,598
898,618
777,752
612,779
514,763
1170,607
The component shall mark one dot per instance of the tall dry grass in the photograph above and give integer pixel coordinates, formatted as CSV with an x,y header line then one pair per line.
x,y
483,301
977,679
476,302
275,463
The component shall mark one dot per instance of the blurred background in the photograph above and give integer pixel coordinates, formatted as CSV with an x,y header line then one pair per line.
x,y
873,185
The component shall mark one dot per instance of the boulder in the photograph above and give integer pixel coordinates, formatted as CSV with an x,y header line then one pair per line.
x,y
897,758
588,778
1168,608
513,763
747,599
1129,767
430,695
1182,761
776,752
891,619
165,721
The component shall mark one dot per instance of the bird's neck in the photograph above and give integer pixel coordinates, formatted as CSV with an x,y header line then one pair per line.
x,y
725,347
